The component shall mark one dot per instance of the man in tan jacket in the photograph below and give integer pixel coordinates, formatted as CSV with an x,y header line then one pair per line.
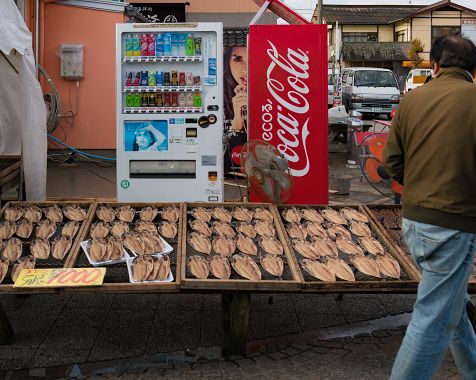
x,y
432,151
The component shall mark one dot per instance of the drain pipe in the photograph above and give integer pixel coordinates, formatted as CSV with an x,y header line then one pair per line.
x,y
37,14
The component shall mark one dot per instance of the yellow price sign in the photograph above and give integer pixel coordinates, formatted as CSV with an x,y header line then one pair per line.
x,y
60,277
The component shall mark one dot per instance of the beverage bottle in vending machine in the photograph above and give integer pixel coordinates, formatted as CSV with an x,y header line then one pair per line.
x,y
159,44
189,48
197,100
160,100
189,79
152,100
159,78
151,45
198,45
129,80
174,101
135,44
144,47
166,78
137,100
144,78
173,78
189,100
167,44
175,44
151,78
145,100
182,43
182,100
137,79
182,79
128,41
167,99
129,100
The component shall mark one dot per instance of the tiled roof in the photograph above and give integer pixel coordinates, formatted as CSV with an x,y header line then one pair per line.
x,y
366,14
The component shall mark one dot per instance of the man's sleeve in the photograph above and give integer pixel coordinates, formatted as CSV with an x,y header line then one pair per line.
x,y
393,155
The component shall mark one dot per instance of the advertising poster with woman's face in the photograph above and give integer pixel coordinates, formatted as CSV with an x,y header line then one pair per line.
x,y
145,136
235,105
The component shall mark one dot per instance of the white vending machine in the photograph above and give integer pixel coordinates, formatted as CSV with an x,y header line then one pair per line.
x,y
169,99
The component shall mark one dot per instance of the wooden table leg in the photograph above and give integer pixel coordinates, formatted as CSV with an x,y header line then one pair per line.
x,y
236,314
6,330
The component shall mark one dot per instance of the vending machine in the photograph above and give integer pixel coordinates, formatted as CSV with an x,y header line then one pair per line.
x,y
169,99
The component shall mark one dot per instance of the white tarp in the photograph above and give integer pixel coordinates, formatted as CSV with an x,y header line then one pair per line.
x,y
22,109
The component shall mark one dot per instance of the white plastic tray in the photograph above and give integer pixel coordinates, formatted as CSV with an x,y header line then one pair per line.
x,y
84,246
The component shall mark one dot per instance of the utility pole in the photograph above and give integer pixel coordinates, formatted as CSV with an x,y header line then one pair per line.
x,y
319,12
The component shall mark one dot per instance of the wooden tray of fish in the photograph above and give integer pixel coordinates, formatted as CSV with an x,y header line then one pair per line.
x,y
236,246
141,231
39,235
340,248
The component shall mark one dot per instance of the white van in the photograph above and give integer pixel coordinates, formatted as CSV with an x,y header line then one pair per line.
x,y
369,90
331,79
416,78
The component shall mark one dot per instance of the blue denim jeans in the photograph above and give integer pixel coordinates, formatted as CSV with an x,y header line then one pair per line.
x,y
439,320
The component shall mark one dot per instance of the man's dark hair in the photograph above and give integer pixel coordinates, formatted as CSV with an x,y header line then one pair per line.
x,y
454,50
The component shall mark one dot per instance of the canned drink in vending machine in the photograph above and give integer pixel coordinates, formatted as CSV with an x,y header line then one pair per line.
x,y
151,45
160,99
174,78
144,78
135,44
189,79
166,78
174,99
159,44
128,41
182,100
151,79
182,79
137,79
144,47
167,99
129,79
189,100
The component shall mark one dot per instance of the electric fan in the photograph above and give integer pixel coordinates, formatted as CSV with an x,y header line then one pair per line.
x,y
267,172
373,169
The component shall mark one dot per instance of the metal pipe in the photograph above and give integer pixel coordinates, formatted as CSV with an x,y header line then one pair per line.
x,y
37,11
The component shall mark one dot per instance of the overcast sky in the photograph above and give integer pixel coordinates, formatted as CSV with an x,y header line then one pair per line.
x,y
467,3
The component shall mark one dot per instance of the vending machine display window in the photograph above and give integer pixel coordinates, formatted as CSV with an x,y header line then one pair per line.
x,y
146,136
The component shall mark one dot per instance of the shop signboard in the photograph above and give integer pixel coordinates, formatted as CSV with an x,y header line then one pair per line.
x,y
162,12
288,102
60,277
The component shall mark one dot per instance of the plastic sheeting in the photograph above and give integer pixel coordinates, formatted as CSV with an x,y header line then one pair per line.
x,y
22,109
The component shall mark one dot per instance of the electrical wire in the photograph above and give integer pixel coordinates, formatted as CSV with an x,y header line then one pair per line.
x,y
79,151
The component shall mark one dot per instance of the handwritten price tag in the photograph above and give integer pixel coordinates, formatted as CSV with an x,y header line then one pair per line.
x,y
60,277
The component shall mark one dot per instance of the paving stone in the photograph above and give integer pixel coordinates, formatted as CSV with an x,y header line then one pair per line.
x,y
136,301
81,317
311,322
91,300
315,303
380,334
290,351
277,356
265,324
181,302
66,337
46,357
15,358
127,318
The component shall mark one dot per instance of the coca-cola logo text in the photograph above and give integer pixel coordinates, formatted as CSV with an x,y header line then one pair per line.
x,y
236,154
290,105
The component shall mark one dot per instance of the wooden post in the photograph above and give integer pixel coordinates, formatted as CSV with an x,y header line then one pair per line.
x,y
236,313
6,330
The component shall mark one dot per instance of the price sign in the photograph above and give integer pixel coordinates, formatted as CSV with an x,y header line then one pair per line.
x,y
60,277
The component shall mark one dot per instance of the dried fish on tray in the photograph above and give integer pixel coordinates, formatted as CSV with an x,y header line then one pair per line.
x,y
39,234
230,245
344,247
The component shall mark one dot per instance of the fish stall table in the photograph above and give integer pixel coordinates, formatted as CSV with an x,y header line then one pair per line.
x,y
234,249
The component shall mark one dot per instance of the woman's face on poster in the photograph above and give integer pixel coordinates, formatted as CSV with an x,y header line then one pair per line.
x,y
143,139
238,64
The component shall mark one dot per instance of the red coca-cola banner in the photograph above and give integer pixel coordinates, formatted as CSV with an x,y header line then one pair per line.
x,y
287,93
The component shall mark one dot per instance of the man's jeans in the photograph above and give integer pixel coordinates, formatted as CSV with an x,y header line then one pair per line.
x,y
445,258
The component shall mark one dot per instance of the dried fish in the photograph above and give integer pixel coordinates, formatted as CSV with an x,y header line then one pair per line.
x,y
40,248
12,249
296,231
200,227
366,265
312,215
201,213
333,216
75,213
349,247
220,267
3,268
360,229
388,266
325,247
27,262
246,229
223,229
54,214
97,249
24,228
272,264
167,229
142,267
242,214
142,225
198,266
114,248
246,267
32,213
100,230
148,213
60,247
318,270
371,245
271,245
352,214
133,242
12,213
222,214
45,229
315,229
263,214
306,249
7,230
264,228
224,246
125,213
164,271
200,243
340,268
336,231
292,215
70,229
152,242
171,214
246,245
119,228
106,214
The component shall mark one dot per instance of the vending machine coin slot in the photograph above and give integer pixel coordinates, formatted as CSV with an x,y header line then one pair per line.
x,y
191,121
191,132
203,122
212,119
213,176
213,107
